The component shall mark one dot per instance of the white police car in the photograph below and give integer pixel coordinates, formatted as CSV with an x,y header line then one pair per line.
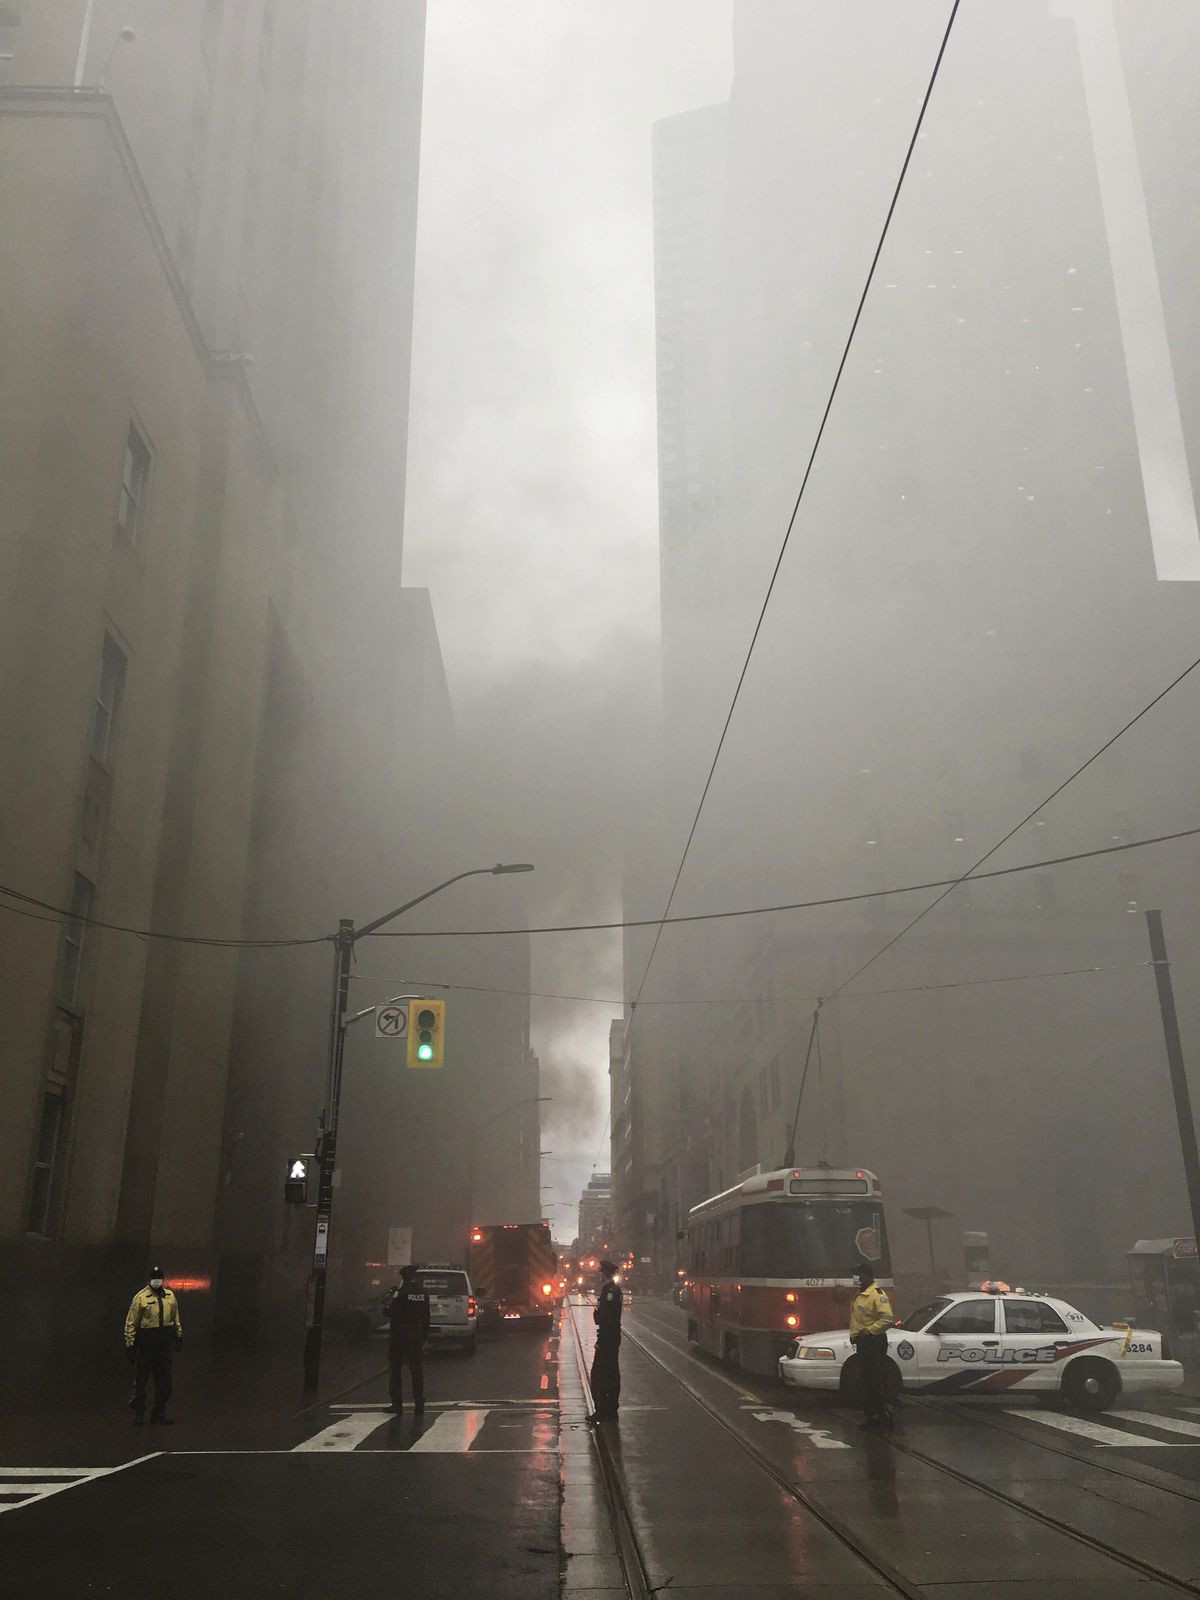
x,y
964,1345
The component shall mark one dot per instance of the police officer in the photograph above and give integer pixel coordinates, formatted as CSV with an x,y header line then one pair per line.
x,y
408,1314
606,1362
153,1332
870,1318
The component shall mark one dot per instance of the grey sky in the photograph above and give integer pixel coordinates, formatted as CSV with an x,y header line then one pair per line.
x,y
532,498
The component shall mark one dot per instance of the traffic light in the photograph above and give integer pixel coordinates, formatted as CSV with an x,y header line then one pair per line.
x,y
426,1033
295,1184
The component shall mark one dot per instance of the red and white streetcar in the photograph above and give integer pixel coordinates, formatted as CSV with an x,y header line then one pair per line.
x,y
774,1257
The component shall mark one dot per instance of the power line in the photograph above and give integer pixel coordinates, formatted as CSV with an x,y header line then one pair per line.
x,y
618,1001
793,905
816,445
1000,843
51,913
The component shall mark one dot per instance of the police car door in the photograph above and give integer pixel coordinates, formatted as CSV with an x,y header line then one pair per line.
x,y
960,1348
1034,1336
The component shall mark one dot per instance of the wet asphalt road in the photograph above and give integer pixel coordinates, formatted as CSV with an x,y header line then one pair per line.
x,y
727,1487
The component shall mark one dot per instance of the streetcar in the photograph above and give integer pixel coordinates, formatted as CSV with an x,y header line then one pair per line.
x,y
774,1258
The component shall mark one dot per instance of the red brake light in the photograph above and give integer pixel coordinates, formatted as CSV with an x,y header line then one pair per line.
x,y
472,1306
547,1288
476,1236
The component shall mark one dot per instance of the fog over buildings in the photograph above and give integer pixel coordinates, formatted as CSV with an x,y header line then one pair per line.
x,y
403,413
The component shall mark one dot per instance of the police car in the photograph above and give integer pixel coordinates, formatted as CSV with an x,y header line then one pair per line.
x,y
965,1345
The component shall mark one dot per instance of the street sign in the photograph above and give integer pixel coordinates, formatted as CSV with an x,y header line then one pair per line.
x,y
321,1251
391,1022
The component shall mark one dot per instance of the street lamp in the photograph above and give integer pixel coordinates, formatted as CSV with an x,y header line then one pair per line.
x,y
477,1127
344,941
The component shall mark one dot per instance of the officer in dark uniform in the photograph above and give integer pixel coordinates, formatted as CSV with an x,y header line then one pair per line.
x,y
606,1362
408,1314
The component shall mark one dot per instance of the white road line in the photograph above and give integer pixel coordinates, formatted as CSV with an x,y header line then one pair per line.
x,y
451,1434
347,1433
32,1492
1111,1437
1168,1424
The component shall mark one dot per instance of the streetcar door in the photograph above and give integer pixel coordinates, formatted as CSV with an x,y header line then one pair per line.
x,y
957,1343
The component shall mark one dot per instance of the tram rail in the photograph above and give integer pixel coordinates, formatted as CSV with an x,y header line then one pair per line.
x,y
845,1533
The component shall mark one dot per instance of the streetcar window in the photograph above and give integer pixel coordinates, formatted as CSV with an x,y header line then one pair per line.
x,y
1032,1316
814,1240
922,1316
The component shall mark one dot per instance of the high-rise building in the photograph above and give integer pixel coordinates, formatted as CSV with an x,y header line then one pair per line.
x,y
595,1211
939,651
222,716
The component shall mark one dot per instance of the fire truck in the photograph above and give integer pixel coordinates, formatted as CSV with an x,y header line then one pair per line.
x,y
514,1273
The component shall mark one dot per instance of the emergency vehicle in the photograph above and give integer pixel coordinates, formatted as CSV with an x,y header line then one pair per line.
x,y
514,1273
774,1258
966,1345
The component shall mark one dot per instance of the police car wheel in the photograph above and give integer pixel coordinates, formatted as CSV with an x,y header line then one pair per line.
x,y
1090,1385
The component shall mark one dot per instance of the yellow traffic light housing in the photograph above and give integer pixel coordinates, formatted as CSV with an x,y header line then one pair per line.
x,y
426,1033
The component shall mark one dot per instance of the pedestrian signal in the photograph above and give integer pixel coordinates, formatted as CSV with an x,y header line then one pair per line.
x,y
426,1033
295,1184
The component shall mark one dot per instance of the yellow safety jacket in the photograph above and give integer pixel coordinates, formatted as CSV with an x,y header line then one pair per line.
x,y
153,1316
871,1312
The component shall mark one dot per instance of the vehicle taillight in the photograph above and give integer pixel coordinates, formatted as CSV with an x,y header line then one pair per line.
x,y
472,1306
547,1288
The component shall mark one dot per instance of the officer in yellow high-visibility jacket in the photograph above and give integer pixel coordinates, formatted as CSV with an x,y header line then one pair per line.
x,y
870,1318
153,1332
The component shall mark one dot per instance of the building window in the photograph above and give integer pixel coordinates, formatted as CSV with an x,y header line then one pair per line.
x,y
74,935
48,1155
108,698
10,16
45,1161
135,475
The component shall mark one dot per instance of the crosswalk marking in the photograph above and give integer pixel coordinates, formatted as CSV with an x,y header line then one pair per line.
x,y
1093,1430
451,1433
348,1432
1156,1420
26,1486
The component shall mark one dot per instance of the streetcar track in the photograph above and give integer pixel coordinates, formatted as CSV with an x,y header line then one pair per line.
x,y
981,1414
827,1520
1135,1563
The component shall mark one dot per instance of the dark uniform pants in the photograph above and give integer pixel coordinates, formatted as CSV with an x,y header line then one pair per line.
x,y
152,1360
606,1374
406,1347
873,1355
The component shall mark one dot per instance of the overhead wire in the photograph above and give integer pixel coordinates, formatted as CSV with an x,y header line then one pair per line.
x,y
972,871
791,523
790,905
50,913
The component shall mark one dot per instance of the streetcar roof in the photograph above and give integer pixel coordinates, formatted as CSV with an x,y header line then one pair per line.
x,y
780,1181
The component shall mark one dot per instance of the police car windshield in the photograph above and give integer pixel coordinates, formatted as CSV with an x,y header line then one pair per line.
x,y
923,1316
441,1283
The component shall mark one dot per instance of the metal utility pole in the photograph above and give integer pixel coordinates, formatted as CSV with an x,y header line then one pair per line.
x,y
344,942
1179,1083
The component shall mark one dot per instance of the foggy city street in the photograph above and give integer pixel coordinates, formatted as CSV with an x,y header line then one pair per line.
x,y
600,799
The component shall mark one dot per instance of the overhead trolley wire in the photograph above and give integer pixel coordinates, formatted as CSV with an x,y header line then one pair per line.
x,y
816,445
792,905
57,914
972,871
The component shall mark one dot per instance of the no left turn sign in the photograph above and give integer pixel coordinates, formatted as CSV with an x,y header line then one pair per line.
x,y
391,1022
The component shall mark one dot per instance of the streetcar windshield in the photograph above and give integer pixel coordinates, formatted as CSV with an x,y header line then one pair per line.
x,y
822,1239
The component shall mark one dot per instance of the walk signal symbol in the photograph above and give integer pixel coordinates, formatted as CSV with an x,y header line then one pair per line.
x,y
426,1033
295,1185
